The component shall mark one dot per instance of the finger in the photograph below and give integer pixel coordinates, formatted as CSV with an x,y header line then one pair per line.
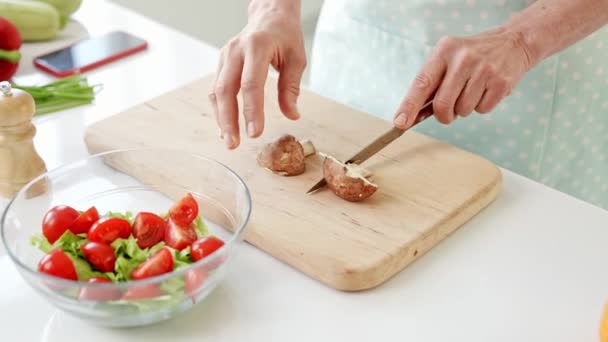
x,y
449,90
226,90
488,101
496,90
426,111
255,71
213,98
471,95
425,84
289,86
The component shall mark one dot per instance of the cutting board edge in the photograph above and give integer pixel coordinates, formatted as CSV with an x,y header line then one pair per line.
x,y
349,279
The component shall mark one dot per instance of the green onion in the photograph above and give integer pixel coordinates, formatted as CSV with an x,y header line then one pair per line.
x,y
69,92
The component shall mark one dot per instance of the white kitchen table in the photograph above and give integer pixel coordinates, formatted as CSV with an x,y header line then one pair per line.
x,y
531,267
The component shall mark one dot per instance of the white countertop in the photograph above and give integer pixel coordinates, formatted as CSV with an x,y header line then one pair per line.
x,y
531,267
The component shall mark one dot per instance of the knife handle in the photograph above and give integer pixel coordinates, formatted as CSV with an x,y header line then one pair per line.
x,y
426,112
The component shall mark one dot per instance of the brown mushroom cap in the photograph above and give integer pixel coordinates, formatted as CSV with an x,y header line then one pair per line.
x,y
285,155
346,181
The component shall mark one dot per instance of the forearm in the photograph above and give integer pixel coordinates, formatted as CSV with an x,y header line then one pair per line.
x,y
549,26
265,7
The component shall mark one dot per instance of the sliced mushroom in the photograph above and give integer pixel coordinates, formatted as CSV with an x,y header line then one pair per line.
x,y
348,181
285,155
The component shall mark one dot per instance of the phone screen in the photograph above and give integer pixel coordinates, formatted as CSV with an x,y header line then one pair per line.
x,y
90,51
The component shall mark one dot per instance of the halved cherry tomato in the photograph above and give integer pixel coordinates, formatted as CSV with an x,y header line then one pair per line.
x,y
178,236
142,292
57,220
194,280
84,222
88,293
159,263
148,229
100,255
109,229
184,211
205,246
57,263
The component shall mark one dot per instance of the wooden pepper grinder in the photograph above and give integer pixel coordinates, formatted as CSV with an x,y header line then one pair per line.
x,y
19,161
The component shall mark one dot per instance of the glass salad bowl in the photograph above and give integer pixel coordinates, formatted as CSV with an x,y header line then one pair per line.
x,y
122,184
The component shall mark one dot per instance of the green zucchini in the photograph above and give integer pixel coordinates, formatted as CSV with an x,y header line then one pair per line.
x,y
35,20
65,8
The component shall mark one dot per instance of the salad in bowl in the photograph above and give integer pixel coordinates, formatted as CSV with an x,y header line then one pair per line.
x,y
119,245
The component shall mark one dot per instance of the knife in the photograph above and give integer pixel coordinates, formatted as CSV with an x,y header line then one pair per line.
x,y
378,144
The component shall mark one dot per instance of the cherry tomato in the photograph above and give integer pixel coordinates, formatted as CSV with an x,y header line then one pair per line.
x,y
57,220
159,263
95,294
57,263
100,255
194,280
148,229
142,292
184,211
204,247
109,229
179,237
84,222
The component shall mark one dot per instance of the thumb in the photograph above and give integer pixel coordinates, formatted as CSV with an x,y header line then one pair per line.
x,y
289,86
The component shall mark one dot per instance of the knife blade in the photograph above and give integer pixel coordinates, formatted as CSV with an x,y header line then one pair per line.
x,y
378,144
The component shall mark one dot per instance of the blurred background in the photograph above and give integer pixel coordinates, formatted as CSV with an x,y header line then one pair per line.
x,y
215,21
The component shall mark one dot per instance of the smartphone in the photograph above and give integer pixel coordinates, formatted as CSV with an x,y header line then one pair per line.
x,y
90,53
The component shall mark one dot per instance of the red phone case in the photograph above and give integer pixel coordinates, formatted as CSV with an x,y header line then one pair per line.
x,y
91,66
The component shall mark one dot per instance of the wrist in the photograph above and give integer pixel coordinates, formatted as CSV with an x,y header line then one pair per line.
x,y
529,38
265,8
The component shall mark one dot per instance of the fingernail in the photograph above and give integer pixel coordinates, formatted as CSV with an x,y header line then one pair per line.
x,y
295,111
228,140
220,133
251,128
401,120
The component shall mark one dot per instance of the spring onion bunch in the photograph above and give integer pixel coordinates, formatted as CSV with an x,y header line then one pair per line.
x,y
62,94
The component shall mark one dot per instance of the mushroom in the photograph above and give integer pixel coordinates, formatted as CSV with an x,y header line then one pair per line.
x,y
285,155
348,181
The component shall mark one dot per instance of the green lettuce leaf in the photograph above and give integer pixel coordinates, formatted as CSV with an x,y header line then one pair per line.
x,y
200,227
40,242
173,285
128,256
128,247
124,266
67,242
167,302
112,276
83,268
126,216
181,258
70,243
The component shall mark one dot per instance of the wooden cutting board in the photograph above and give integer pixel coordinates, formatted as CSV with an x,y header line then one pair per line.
x,y
427,189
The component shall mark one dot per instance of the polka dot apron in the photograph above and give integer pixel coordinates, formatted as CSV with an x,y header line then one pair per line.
x,y
552,129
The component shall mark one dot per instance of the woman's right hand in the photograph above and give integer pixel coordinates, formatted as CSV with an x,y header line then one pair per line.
x,y
272,37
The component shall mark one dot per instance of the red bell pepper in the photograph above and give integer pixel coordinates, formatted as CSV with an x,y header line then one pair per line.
x,y
10,43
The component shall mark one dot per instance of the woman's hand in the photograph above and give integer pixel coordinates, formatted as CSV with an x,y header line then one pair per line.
x,y
272,37
466,74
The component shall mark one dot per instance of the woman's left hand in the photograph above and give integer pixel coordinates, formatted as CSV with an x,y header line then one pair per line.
x,y
466,74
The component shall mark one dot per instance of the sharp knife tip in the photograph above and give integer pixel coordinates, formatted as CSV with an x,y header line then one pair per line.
x,y
316,187
310,191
